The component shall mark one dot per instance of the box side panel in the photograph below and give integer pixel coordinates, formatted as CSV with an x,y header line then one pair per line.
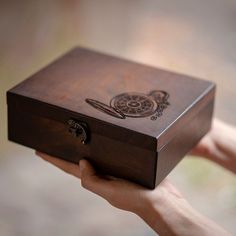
x,y
109,156
191,111
185,140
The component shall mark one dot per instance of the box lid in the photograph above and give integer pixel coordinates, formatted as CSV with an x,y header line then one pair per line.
x,y
124,100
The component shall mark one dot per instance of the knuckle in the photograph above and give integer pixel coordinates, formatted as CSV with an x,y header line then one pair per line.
x,y
112,197
112,194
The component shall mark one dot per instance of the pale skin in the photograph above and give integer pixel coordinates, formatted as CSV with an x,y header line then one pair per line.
x,y
164,209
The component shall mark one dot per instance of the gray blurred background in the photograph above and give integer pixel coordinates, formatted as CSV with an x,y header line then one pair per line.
x,y
192,37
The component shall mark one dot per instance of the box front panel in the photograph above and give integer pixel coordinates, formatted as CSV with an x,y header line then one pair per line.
x,y
109,156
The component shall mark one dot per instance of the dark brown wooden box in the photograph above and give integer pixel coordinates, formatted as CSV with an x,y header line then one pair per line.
x,y
130,120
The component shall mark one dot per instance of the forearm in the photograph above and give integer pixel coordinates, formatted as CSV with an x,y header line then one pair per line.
x,y
172,215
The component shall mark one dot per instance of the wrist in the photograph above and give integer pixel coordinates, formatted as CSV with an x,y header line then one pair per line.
x,y
166,211
169,213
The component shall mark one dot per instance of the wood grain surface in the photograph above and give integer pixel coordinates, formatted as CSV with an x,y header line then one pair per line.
x,y
135,148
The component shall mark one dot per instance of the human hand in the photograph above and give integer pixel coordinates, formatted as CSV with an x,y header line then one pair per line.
x,y
164,209
118,192
219,145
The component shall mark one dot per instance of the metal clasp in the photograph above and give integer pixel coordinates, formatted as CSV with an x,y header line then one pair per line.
x,y
79,130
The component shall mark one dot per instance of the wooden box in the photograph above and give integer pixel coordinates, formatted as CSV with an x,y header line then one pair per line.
x,y
130,120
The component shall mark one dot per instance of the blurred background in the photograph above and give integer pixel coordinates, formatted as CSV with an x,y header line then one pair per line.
x,y
192,37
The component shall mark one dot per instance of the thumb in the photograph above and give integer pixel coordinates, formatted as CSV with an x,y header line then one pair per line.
x,y
91,181
86,168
